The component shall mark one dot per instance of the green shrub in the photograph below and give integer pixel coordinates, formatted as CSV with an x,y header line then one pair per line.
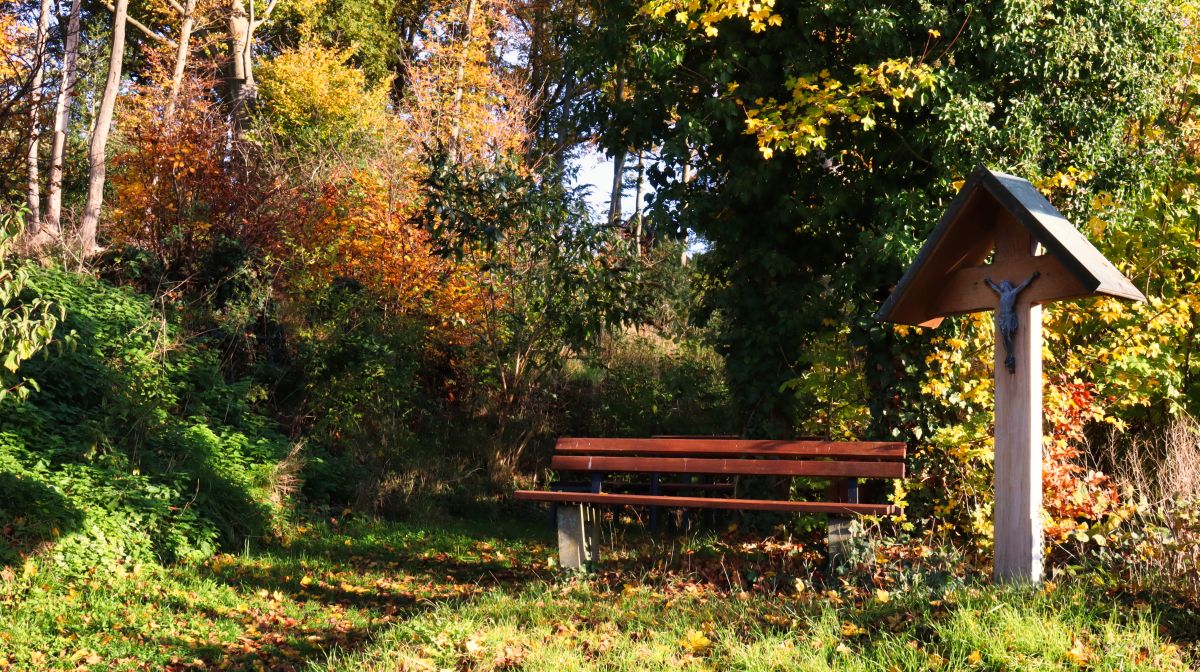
x,y
639,384
136,448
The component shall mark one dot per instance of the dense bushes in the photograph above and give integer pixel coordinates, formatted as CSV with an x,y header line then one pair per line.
x,y
641,384
136,448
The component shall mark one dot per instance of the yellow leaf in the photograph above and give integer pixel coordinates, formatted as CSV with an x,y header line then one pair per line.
x,y
1079,654
974,658
694,641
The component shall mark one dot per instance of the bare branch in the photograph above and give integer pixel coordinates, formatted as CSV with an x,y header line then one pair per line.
x,y
266,13
142,27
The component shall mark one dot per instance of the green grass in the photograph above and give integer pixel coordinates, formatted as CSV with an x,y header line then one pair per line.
x,y
363,595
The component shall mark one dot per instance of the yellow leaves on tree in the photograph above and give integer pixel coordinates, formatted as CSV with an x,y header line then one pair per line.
x,y
799,124
14,56
314,97
706,15
461,95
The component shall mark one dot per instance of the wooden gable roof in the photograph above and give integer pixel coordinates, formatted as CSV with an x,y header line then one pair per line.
x,y
947,276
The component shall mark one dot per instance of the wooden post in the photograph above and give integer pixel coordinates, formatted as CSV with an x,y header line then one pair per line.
x,y
1018,452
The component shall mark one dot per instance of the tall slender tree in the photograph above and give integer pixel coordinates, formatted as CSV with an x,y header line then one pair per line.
x,y
241,25
33,190
100,132
187,12
52,225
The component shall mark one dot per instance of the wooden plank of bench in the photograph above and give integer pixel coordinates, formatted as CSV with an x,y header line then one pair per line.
x,y
618,485
875,450
705,503
686,465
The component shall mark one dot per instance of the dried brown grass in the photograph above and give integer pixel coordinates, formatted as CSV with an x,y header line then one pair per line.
x,y
1158,548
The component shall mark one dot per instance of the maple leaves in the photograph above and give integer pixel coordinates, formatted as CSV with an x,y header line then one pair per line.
x,y
706,15
799,124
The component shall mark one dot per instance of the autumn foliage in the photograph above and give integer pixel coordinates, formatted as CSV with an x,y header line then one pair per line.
x,y
176,189
361,227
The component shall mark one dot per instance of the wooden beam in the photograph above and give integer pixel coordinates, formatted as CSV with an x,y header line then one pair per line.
x,y
966,292
707,503
685,465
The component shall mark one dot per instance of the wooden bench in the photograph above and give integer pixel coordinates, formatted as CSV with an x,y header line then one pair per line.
x,y
639,466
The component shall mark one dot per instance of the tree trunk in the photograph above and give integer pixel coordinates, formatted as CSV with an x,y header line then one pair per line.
x,y
618,187
33,192
181,54
618,183
637,201
62,117
459,78
241,83
104,118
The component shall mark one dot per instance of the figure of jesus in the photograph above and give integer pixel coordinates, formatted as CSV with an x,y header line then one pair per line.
x,y
1006,315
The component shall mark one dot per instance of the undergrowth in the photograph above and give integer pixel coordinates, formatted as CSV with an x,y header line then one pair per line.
x,y
136,449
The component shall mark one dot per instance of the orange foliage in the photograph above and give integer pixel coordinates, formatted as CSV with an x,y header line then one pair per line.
x,y
360,227
461,95
1072,493
175,191
16,59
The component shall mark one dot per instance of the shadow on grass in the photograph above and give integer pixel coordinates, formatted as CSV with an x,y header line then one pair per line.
x,y
273,640
32,515
341,597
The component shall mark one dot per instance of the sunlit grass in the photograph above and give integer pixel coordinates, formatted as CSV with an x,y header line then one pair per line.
x,y
364,595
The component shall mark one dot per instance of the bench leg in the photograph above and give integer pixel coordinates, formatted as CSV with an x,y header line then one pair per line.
x,y
655,489
578,535
838,537
839,533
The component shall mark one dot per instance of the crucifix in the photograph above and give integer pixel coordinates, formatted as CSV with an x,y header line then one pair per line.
x,y
1007,321
1000,231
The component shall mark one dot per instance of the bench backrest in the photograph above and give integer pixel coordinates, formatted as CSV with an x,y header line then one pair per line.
x,y
837,459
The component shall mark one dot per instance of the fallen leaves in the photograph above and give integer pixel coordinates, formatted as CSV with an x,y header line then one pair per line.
x,y
694,641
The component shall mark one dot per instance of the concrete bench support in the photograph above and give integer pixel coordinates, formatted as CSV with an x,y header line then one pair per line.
x,y
839,533
578,535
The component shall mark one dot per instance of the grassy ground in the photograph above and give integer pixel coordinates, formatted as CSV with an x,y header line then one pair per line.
x,y
362,595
